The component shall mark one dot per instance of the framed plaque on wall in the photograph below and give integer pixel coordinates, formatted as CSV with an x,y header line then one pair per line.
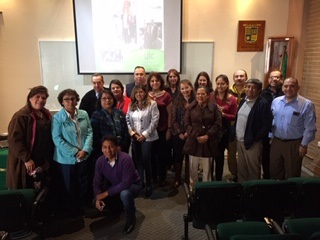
x,y
251,36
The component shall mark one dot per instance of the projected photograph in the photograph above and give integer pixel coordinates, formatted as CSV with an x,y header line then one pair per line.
x,y
115,36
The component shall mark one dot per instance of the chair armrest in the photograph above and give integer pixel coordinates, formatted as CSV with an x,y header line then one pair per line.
x,y
187,190
36,206
274,225
40,196
209,232
4,235
189,195
190,201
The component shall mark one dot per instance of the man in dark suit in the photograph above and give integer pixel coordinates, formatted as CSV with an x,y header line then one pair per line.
x,y
89,100
89,104
139,79
273,90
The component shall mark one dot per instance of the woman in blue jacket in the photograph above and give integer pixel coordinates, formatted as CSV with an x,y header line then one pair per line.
x,y
72,136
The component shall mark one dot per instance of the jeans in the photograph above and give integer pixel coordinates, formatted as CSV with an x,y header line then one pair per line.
x,y
142,160
127,197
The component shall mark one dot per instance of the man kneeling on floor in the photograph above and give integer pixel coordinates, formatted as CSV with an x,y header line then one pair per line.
x,y
117,169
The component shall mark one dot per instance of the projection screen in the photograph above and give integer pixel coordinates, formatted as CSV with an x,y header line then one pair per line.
x,y
114,36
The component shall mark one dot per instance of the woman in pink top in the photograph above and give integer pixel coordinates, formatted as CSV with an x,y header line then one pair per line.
x,y
227,104
117,89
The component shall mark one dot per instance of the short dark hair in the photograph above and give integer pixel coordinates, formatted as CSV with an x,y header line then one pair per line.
x,y
204,88
106,91
117,82
139,67
37,90
256,82
245,73
67,91
158,76
98,75
275,70
110,138
294,79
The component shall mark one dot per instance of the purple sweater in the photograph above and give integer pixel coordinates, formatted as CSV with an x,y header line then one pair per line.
x,y
121,176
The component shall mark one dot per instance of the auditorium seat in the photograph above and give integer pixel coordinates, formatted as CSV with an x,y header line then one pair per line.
x,y
213,203
307,202
307,228
268,198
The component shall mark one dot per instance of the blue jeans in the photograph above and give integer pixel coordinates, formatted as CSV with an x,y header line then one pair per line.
x,y
127,197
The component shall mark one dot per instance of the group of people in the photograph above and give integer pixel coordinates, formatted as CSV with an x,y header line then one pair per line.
x,y
86,149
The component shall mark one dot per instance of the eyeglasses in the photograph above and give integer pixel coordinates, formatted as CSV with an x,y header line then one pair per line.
x,y
275,77
69,99
107,99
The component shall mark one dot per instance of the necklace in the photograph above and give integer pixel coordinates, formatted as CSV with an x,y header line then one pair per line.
x,y
156,94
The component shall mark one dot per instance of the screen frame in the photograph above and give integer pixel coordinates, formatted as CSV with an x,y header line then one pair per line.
x,y
78,42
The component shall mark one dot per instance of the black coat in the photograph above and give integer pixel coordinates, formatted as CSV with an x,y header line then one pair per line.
x,y
259,122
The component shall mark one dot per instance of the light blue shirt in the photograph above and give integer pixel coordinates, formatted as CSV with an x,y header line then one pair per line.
x,y
293,120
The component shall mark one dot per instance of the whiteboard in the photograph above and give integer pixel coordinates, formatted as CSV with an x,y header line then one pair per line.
x,y
58,63
59,70
196,57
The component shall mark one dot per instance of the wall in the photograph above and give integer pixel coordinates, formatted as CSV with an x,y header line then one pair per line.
x,y
296,28
218,21
311,76
23,23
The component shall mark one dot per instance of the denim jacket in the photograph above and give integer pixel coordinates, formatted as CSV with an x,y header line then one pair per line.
x,y
64,136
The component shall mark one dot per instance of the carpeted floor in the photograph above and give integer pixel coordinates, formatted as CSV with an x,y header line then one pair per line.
x,y
158,217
